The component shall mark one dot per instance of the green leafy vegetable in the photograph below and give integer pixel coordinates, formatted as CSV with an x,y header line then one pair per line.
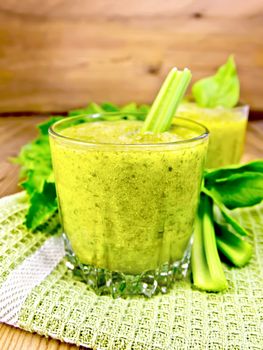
x,y
37,175
109,107
90,109
130,108
240,190
43,127
224,172
42,206
237,187
221,89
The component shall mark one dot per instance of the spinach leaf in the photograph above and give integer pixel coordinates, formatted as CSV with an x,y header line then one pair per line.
x,y
223,173
241,190
221,89
237,187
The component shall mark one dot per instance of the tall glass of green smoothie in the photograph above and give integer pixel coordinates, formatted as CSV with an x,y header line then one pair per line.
x,y
227,128
127,199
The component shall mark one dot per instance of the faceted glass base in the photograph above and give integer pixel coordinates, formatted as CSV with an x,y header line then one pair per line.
x,y
117,284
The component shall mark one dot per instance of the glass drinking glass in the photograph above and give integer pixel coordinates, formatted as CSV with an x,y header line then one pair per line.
x,y
127,210
227,129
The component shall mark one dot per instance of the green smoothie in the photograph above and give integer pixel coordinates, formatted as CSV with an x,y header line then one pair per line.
x,y
128,200
227,129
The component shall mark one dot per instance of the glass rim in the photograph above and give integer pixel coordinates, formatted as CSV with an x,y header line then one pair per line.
x,y
52,132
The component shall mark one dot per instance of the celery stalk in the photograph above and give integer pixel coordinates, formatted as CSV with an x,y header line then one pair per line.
x,y
234,247
160,116
207,269
201,275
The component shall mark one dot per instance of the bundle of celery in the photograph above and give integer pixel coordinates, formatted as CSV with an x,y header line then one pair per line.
x,y
216,229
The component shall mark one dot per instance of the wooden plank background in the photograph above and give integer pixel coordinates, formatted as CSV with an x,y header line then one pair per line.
x,y
58,54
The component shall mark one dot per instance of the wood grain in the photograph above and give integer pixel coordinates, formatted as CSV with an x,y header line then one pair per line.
x,y
15,131
16,339
59,54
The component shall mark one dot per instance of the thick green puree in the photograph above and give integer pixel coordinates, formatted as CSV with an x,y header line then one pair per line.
x,y
127,199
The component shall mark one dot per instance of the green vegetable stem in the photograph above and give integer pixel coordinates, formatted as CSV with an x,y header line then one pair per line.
x,y
207,268
160,116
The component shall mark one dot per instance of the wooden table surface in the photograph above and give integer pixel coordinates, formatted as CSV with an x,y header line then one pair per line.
x,y
16,131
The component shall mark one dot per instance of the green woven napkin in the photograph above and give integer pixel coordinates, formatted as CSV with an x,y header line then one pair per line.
x,y
39,294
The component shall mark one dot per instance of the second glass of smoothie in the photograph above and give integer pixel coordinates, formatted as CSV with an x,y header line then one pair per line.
x,y
227,129
127,200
